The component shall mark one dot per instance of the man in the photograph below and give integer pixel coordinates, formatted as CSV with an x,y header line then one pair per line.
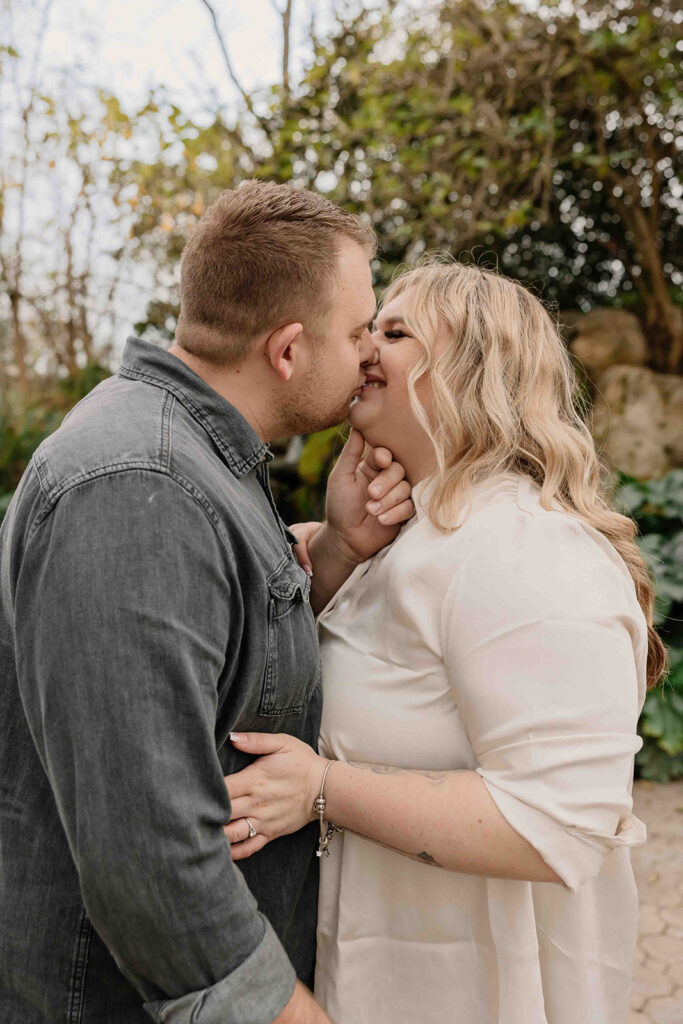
x,y
150,604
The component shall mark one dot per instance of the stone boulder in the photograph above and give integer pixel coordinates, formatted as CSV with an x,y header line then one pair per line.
x,y
637,420
605,337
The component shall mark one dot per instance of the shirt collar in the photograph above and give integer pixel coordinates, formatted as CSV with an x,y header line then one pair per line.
x,y
423,491
229,430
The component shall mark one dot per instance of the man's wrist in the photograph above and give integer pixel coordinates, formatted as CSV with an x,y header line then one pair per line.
x,y
302,1009
337,546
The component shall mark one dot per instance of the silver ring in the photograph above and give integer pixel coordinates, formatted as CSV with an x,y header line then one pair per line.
x,y
252,830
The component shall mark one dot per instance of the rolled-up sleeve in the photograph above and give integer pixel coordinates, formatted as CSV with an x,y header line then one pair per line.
x,y
125,605
542,643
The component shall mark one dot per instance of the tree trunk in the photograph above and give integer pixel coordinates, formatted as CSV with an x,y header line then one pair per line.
x,y
664,317
19,344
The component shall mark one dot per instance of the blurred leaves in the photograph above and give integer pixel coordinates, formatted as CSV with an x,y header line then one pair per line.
x,y
657,507
42,416
543,140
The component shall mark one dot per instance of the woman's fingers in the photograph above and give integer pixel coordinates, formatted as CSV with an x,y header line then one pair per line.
x,y
394,497
259,742
237,830
242,807
304,533
239,784
249,847
241,843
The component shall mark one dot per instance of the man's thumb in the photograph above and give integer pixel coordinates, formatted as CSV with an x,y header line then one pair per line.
x,y
351,453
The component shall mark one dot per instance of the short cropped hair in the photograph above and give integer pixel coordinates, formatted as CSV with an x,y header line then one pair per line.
x,y
263,254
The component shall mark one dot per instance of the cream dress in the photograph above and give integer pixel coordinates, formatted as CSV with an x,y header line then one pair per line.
x,y
515,647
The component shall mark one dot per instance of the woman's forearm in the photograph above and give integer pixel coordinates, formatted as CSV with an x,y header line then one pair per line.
x,y
447,819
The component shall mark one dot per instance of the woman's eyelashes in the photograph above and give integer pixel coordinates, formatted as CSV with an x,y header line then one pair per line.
x,y
394,334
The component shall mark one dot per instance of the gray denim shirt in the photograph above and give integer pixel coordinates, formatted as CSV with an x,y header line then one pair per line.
x,y
149,604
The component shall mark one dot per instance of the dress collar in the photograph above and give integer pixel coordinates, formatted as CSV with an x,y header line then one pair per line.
x,y
423,491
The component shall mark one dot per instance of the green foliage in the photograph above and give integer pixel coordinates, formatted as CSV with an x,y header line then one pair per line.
x,y
43,415
300,494
541,139
318,455
657,507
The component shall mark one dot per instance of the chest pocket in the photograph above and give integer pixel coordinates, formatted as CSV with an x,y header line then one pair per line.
x,y
292,661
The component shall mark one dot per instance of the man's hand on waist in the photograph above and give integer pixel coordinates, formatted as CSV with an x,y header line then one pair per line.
x,y
302,1009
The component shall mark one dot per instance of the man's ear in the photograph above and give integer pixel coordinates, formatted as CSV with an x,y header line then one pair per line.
x,y
279,349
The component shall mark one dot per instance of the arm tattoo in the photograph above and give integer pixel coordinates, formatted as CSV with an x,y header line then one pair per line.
x,y
385,769
422,858
436,777
427,858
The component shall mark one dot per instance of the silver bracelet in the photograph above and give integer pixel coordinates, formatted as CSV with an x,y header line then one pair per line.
x,y
326,832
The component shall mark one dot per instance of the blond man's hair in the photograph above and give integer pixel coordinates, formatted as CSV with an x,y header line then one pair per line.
x,y
505,400
262,255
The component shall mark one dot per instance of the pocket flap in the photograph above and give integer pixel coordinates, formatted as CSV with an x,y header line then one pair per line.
x,y
287,579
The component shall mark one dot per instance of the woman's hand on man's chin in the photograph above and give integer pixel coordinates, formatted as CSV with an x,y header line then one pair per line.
x,y
275,794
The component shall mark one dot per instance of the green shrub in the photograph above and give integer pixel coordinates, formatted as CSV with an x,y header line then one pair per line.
x,y
657,507
45,412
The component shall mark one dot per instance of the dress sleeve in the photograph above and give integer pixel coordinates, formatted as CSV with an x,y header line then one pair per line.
x,y
542,640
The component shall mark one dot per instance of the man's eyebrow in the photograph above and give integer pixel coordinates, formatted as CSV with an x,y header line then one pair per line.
x,y
366,323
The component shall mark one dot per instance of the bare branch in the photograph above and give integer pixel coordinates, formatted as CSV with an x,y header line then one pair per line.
x,y
285,16
229,66
286,31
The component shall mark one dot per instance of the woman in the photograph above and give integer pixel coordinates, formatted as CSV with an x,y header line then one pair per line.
x,y
483,677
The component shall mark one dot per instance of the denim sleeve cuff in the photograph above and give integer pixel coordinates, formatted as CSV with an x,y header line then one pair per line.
x,y
254,993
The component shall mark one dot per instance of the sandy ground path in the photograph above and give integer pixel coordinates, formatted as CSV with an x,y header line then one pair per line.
x,y
657,996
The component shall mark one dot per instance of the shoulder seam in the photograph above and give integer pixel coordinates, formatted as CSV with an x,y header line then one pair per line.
x,y
41,470
116,468
166,422
235,464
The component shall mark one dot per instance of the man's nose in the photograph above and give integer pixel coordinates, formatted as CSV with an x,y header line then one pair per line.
x,y
368,348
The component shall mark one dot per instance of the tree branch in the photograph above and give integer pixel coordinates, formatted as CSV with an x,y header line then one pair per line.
x,y
229,67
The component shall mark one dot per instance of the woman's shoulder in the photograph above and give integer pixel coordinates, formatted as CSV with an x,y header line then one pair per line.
x,y
514,549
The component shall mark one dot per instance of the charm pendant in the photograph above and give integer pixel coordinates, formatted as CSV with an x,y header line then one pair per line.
x,y
326,838
319,805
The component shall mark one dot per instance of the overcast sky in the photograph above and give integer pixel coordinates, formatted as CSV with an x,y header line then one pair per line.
x,y
129,45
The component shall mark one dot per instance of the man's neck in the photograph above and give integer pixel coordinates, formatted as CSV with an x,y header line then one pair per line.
x,y
232,384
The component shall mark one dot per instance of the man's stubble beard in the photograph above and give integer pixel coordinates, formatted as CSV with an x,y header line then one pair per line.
x,y
313,408
298,420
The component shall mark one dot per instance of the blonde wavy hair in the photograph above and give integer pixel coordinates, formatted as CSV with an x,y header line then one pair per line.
x,y
516,408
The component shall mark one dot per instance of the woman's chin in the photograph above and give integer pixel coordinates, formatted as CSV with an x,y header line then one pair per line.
x,y
370,426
